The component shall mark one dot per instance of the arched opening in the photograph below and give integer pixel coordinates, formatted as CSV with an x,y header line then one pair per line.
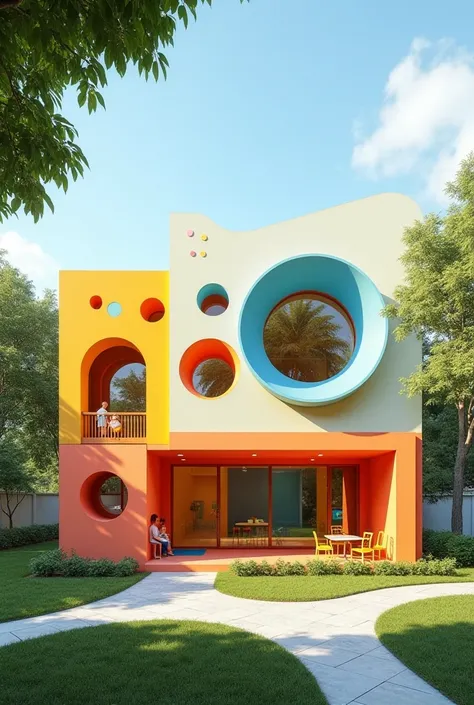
x,y
114,391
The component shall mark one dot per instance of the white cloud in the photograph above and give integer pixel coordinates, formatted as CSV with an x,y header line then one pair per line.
x,y
31,259
426,122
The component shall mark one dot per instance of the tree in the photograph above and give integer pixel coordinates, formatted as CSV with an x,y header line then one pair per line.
x,y
48,46
14,480
129,393
302,340
29,370
437,303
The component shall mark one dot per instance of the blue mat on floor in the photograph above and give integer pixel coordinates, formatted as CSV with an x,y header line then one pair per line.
x,y
189,551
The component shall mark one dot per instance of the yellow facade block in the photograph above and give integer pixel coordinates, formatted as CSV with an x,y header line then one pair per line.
x,y
87,329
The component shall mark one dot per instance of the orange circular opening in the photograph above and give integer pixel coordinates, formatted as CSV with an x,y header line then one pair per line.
x,y
214,305
209,351
96,302
152,310
103,503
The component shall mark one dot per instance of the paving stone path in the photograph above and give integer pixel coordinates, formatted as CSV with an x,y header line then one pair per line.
x,y
335,639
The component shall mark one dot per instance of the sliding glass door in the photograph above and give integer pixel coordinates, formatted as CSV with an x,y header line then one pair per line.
x,y
264,506
244,510
195,506
299,504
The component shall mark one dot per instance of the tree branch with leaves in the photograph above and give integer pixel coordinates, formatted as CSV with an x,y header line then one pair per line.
x,y
437,304
49,46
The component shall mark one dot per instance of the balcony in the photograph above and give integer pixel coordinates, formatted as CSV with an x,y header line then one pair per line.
x,y
131,428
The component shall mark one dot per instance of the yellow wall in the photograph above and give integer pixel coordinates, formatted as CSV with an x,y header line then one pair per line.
x,y
81,327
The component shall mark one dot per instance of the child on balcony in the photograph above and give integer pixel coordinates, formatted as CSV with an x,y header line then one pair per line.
x,y
115,425
102,419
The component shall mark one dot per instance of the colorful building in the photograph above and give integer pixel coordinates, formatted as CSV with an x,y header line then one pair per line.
x,y
272,389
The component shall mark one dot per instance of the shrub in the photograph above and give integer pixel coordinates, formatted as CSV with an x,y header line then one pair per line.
x,y
319,567
316,567
26,535
444,544
435,566
357,568
245,569
48,563
127,566
58,563
395,568
75,566
102,568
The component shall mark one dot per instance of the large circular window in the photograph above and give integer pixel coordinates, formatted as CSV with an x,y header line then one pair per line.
x,y
309,337
313,349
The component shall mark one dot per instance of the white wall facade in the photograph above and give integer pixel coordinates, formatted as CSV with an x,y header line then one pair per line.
x,y
366,233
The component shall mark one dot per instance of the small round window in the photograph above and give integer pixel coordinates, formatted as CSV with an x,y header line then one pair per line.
x,y
309,337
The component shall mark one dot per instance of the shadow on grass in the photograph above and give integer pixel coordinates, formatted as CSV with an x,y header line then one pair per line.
x,y
183,663
435,638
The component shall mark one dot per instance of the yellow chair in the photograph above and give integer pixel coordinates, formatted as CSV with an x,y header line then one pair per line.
x,y
321,548
366,547
336,529
380,544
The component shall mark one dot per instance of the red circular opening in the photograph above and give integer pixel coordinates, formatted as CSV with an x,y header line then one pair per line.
x,y
95,302
103,496
214,304
152,310
207,350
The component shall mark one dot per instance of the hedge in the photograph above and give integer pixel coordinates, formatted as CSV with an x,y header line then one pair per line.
x,y
26,535
58,563
444,544
444,566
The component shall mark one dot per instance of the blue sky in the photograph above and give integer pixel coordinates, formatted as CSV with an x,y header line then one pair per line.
x,y
271,110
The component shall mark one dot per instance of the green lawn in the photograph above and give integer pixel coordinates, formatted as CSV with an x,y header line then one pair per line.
x,y
170,663
22,596
435,638
302,588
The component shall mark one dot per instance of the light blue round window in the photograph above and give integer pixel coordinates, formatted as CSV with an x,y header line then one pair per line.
x,y
114,309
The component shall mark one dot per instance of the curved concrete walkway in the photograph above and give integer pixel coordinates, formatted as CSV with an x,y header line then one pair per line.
x,y
335,639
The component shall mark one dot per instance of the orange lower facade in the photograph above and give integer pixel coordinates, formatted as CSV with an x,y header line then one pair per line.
x,y
365,482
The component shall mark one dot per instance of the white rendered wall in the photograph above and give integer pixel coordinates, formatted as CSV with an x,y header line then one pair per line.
x,y
366,233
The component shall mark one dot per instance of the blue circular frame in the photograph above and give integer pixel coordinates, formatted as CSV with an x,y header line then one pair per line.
x,y
338,279
211,290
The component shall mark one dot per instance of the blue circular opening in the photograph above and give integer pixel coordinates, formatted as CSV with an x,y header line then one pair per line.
x,y
114,309
213,299
338,279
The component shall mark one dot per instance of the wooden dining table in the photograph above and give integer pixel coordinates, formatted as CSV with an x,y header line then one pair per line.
x,y
343,539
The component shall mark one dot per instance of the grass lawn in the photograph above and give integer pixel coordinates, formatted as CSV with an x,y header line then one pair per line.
x,y
302,588
173,663
21,596
435,638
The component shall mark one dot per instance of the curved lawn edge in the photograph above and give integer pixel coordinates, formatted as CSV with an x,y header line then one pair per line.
x,y
23,596
302,588
211,663
434,637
